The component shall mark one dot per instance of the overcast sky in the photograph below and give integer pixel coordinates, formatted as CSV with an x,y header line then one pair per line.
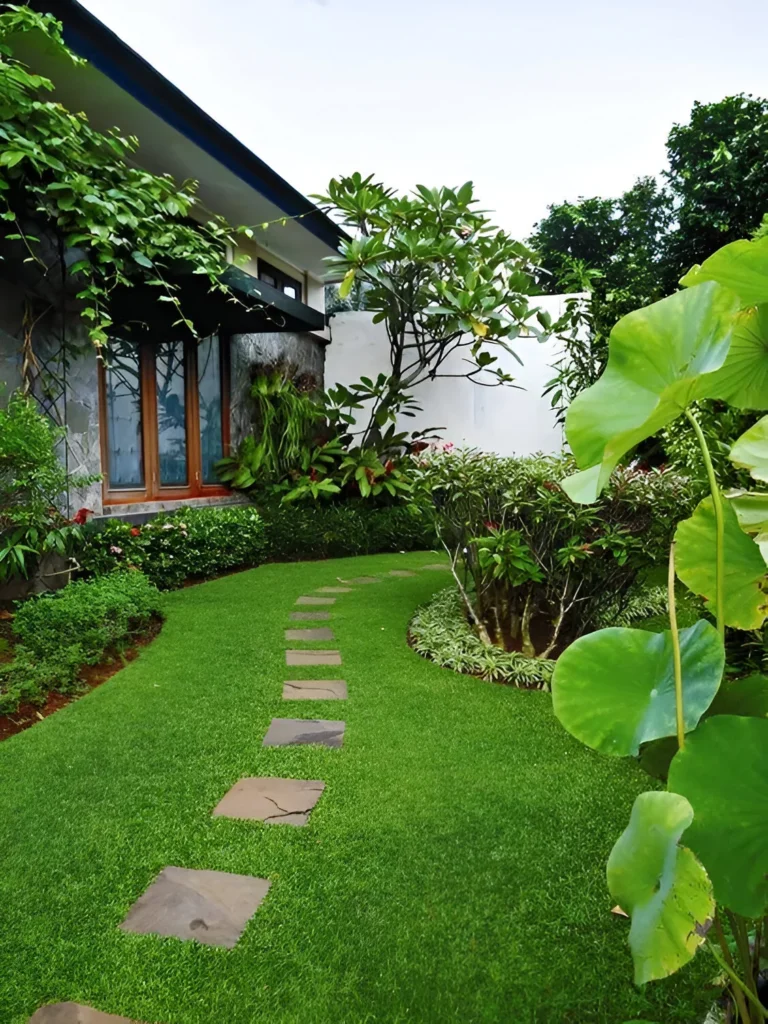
x,y
536,102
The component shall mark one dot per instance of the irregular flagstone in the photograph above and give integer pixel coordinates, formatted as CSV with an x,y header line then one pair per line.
x,y
297,657
286,732
314,689
308,616
274,801
73,1013
212,907
320,633
316,600
334,590
437,567
365,579
401,572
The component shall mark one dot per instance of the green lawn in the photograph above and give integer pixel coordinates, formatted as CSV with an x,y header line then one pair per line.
x,y
452,871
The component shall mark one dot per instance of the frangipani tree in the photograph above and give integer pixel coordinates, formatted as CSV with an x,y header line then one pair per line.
x,y
691,869
439,275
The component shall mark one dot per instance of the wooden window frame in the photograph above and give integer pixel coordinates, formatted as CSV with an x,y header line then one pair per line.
x,y
153,490
280,277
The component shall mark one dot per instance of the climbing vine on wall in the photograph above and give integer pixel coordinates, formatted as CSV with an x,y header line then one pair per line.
x,y
69,198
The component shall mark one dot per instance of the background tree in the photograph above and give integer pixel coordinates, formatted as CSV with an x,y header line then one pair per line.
x,y
440,277
632,250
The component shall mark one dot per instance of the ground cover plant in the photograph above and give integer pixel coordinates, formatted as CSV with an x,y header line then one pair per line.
x,y
58,634
458,846
690,868
534,569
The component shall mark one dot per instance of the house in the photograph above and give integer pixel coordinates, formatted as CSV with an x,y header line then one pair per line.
x,y
155,416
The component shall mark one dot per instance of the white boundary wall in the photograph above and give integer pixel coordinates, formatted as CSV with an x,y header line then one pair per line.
x,y
505,420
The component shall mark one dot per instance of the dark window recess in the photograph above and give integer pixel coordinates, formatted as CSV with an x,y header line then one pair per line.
x,y
280,280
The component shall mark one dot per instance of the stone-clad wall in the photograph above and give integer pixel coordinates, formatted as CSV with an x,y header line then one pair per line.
x,y
249,350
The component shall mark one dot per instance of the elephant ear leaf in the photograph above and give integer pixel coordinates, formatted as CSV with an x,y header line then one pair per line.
x,y
723,773
656,358
750,451
615,690
751,508
745,605
661,885
742,381
741,266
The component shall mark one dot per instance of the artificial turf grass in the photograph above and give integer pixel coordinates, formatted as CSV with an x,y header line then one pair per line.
x,y
452,870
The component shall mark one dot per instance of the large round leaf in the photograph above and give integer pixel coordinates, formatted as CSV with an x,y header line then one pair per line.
x,y
751,508
742,380
723,773
615,689
741,266
744,601
747,697
656,357
662,886
750,451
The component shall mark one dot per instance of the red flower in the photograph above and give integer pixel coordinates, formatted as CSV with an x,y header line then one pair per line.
x,y
135,531
313,474
81,518
490,525
389,466
550,486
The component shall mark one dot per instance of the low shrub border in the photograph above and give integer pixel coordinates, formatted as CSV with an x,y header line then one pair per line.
x,y
58,634
439,630
188,544
295,532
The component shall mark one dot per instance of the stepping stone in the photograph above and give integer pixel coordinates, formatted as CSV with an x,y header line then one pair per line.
x,y
275,801
212,907
312,658
437,567
334,590
321,633
315,689
316,600
308,616
401,572
73,1013
287,732
365,579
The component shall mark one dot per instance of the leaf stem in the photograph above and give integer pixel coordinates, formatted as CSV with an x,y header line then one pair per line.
x,y
738,987
717,504
677,660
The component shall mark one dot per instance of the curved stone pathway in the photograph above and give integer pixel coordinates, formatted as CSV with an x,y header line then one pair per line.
x,y
214,907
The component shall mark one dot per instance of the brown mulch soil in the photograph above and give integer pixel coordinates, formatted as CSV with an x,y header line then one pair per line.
x,y
91,676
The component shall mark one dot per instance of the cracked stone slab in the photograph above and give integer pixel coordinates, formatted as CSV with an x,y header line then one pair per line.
x,y
309,616
314,689
73,1013
298,657
316,600
400,572
436,567
334,590
212,907
365,579
287,732
274,801
320,633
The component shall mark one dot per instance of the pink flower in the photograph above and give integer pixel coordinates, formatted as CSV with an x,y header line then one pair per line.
x,y
115,550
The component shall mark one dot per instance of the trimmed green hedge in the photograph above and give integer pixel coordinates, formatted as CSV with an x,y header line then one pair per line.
x,y
196,543
57,634
173,547
319,530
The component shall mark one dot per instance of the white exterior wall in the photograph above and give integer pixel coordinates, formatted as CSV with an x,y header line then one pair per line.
x,y
506,420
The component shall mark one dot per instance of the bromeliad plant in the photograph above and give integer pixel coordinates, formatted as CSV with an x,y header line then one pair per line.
x,y
621,691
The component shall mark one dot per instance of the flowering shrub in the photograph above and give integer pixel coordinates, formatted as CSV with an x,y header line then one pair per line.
x,y
535,569
191,543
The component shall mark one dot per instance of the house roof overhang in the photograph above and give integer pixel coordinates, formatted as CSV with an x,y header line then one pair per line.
x,y
119,87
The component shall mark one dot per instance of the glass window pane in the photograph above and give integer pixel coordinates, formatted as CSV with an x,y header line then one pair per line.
x,y
171,414
124,436
209,391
